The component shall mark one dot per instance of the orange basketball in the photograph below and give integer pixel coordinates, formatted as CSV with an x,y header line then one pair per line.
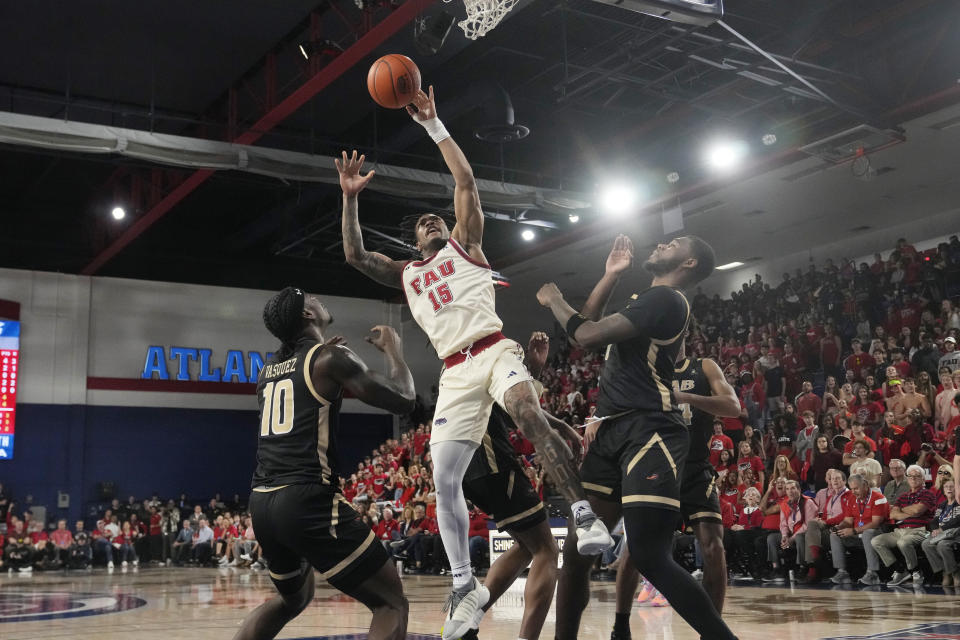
x,y
393,80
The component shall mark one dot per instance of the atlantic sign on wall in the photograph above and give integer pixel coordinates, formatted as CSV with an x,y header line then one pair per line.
x,y
195,363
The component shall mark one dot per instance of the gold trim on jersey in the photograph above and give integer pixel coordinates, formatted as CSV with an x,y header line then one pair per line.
x,y
685,323
307,369
323,442
666,401
341,566
599,488
263,489
335,514
655,439
491,457
711,486
520,516
285,576
686,365
656,499
510,484
705,514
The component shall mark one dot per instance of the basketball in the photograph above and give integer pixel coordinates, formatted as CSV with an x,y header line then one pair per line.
x,y
393,80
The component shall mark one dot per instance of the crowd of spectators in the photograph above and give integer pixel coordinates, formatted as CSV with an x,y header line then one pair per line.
x,y
847,377
171,532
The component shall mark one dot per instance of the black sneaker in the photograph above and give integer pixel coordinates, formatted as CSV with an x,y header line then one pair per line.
x,y
616,634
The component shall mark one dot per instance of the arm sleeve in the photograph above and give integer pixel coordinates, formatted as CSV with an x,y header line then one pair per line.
x,y
659,313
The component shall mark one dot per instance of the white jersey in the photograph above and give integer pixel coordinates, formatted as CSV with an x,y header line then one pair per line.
x,y
451,297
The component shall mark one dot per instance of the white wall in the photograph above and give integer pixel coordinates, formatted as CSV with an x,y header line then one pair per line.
x,y
923,234
77,326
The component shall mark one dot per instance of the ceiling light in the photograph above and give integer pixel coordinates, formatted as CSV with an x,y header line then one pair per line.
x,y
528,235
303,52
118,213
673,177
769,139
725,155
618,199
574,218
729,265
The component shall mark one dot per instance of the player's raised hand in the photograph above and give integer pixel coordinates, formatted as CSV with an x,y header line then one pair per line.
x,y
621,256
537,350
548,293
384,338
351,181
424,107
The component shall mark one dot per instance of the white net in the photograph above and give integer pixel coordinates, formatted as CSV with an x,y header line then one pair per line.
x,y
484,15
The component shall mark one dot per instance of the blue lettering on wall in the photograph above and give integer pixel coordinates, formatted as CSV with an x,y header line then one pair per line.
x,y
183,355
205,374
156,363
238,367
234,367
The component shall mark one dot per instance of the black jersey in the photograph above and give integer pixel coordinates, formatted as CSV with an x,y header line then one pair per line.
x,y
638,372
298,427
690,378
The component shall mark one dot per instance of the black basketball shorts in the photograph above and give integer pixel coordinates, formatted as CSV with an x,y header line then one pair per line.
x,y
638,459
307,525
699,497
508,497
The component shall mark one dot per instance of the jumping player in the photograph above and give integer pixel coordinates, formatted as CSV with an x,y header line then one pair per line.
x,y
638,447
451,296
496,483
302,521
701,392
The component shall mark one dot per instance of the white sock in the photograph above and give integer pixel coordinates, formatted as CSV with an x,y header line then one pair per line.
x,y
462,575
582,512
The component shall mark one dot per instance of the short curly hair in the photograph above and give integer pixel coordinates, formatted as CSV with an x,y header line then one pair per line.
x,y
408,225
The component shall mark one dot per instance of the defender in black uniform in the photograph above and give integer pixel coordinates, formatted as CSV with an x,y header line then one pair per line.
x,y
302,523
496,483
638,447
701,392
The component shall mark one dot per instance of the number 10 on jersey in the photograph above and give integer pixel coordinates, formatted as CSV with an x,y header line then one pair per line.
x,y
277,415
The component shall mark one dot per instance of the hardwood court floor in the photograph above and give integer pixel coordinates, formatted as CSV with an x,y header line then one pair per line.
x,y
199,604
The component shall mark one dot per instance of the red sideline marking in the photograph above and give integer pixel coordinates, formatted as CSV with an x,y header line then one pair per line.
x,y
177,386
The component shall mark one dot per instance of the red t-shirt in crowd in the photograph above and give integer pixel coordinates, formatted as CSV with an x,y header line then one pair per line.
x,y
730,495
478,524
848,448
809,402
155,520
754,462
862,511
857,363
728,514
385,529
718,444
870,413
903,368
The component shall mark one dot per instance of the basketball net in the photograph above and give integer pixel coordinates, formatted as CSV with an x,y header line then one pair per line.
x,y
483,15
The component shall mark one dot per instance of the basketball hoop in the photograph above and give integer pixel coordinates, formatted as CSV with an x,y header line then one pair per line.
x,y
483,16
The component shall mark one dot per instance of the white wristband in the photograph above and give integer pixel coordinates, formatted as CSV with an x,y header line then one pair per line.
x,y
435,129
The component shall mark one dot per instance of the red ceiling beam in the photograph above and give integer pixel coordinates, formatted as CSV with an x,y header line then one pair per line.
x,y
399,18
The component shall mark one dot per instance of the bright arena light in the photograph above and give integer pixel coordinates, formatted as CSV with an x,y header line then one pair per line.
x,y
769,139
528,235
725,155
574,218
118,213
729,265
618,199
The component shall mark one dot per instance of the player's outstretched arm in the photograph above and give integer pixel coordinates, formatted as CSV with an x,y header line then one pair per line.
x,y
723,400
466,200
588,333
619,260
375,265
393,392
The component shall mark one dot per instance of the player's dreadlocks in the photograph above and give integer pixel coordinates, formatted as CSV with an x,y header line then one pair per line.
x,y
283,317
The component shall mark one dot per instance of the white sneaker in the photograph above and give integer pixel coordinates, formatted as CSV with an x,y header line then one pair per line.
x,y
917,577
136,563
169,562
461,609
593,538
109,564
232,563
244,556
223,561
25,570
698,574
124,563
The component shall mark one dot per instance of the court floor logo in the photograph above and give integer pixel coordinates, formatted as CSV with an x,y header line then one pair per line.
x,y
28,606
940,630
